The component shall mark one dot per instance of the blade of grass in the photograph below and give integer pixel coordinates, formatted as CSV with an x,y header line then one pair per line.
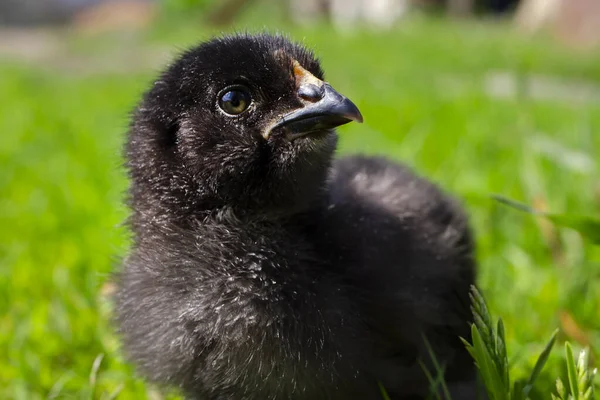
x,y
94,374
582,376
539,365
515,204
439,369
501,354
490,337
115,393
483,321
561,390
487,367
469,347
433,382
587,226
384,393
517,392
571,371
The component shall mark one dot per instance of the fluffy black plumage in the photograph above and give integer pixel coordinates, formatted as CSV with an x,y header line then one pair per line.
x,y
262,269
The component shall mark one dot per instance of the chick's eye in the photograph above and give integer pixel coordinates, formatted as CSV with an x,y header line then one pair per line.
x,y
234,101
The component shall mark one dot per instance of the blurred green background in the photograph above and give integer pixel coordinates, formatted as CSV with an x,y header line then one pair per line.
x,y
473,103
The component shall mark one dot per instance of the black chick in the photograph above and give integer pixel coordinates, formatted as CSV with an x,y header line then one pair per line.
x,y
262,269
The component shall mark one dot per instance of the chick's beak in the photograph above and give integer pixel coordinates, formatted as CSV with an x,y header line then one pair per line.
x,y
323,107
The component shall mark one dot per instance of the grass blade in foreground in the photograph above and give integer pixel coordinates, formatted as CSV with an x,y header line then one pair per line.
x,y
489,349
539,365
581,379
384,394
438,383
490,354
587,226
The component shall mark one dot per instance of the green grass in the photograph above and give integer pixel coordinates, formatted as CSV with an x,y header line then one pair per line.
x,y
421,91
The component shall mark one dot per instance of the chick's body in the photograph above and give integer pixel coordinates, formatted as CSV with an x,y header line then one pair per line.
x,y
263,270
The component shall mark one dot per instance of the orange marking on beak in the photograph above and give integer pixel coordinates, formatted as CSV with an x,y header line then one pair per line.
x,y
304,77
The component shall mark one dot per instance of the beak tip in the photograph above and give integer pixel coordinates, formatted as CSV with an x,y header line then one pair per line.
x,y
355,114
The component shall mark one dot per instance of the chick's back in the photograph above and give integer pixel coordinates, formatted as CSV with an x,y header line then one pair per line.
x,y
407,250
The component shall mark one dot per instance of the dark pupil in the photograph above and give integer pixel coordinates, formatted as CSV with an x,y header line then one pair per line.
x,y
234,102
